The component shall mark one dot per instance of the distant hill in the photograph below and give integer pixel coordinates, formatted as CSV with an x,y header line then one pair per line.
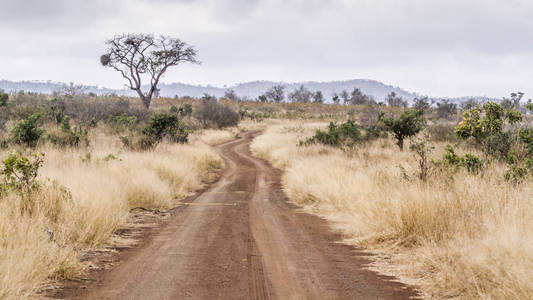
x,y
247,90
253,89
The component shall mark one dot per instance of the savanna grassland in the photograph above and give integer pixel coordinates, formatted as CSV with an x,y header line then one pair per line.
x,y
440,193
73,167
451,213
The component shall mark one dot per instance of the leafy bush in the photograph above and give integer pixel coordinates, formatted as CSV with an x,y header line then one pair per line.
x,y
422,151
183,111
408,124
139,142
20,173
166,125
3,99
122,123
55,109
213,114
69,137
517,169
469,161
162,125
344,135
27,132
485,126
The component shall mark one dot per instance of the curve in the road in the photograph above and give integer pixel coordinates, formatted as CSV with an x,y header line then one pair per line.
x,y
242,239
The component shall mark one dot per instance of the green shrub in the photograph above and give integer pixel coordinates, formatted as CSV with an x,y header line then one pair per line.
x,y
374,132
344,135
139,142
27,132
122,123
165,125
3,99
182,111
469,161
20,172
161,126
55,109
422,151
69,137
472,163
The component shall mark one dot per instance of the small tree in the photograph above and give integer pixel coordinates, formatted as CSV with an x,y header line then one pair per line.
x,y
318,97
301,95
139,55
27,131
469,104
345,97
513,102
262,98
276,93
446,109
421,103
395,100
408,124
3,99
336,99
485,125
358,97
231,95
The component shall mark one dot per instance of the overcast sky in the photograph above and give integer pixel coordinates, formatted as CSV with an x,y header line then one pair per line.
x,y
434,47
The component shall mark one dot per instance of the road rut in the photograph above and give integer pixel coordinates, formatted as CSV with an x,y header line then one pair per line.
x,y
242,239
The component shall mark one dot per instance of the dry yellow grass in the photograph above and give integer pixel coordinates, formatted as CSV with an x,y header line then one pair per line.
x,y
104,185
214,136
466,238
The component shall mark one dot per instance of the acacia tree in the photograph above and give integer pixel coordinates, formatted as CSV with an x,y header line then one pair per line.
x,y
408,124
300,94
136,56
276,93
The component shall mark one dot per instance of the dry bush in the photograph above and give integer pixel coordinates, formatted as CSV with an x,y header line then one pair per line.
x,y
466,237
103,182
215,114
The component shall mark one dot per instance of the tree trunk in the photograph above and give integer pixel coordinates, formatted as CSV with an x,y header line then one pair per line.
x,y
400,143
145,99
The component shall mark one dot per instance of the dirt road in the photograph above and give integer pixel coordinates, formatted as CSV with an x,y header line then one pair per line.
x,y
241,239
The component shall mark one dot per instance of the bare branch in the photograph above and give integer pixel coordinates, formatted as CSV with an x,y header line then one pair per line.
x,y
136,56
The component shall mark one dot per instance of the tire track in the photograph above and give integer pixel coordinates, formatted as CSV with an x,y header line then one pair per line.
x,y
242,239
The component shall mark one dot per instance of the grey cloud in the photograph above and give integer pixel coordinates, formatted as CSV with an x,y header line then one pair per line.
x,y
308,37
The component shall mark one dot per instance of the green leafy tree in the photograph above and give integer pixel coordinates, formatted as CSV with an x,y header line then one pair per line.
x,y
485,125
336,99
27,132
3,99
408,124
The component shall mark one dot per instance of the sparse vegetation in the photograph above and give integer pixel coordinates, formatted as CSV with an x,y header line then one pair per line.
x,y
462,187
67,184
465,236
